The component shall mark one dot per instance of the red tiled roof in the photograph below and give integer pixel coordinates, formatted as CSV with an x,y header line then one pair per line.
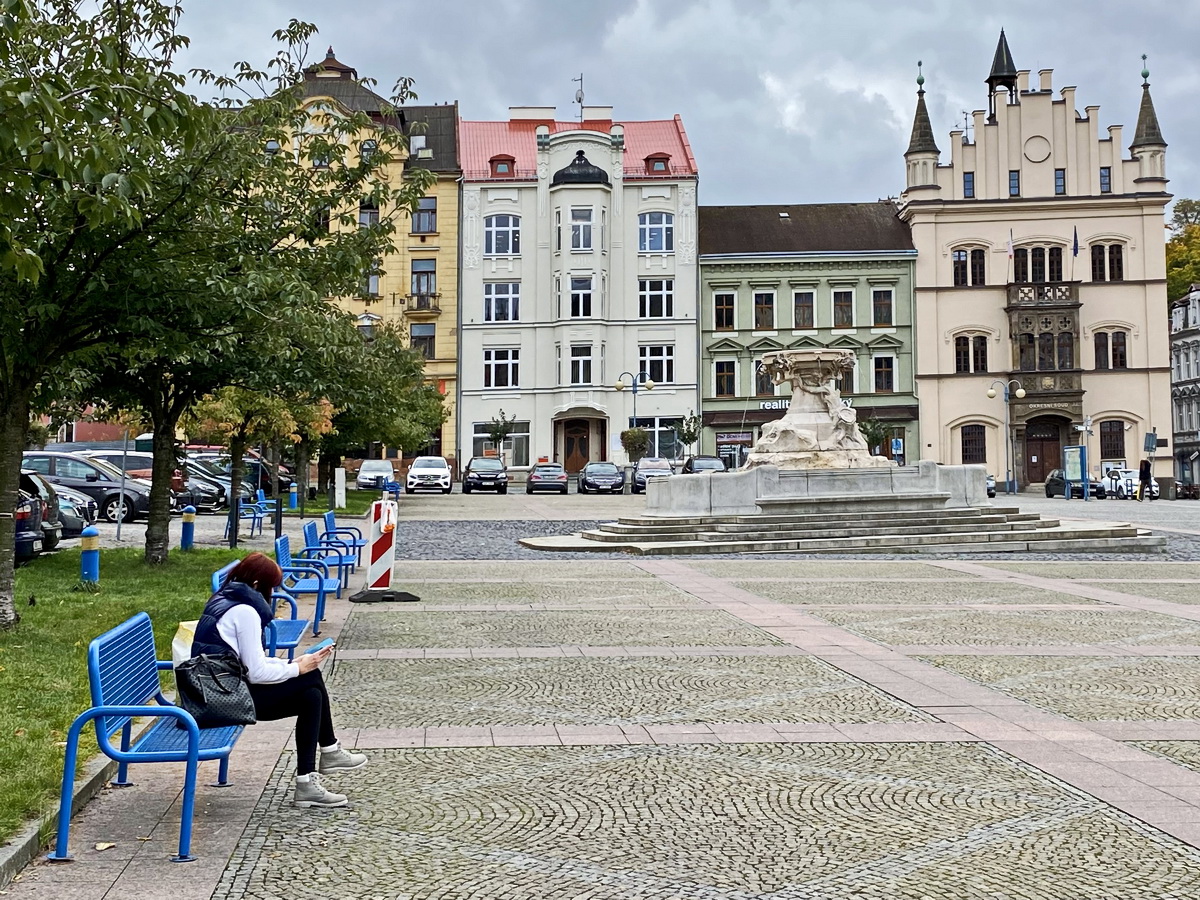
x,y
479,142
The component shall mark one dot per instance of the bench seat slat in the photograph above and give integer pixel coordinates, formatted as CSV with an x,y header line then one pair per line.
x,y
168,738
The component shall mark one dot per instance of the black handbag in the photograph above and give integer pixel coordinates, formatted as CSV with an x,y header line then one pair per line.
x,y
214,690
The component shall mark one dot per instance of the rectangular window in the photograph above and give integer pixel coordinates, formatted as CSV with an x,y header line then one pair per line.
x,y
424,220
581,364
581,298
805,313
725,378
1014,183
968,185
974,445
516,445
501,301
1112,439
764,311
1105,180
959,260
1116,263
978,273
656,233
1055,263
764,384
371,281
501,368
502,236
581,228
656,298
885,382
1100,343
1027,352
1037,263
1045,349
1066,350
664,436
368,214
558,229
658,361
843,309
424,280
962,355
1020,265
423,339
881,305
1060,181
1097,262
723,306
845,381
979,353
1118,350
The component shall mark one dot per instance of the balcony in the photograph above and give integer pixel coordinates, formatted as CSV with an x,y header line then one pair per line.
x,y
1046,293
422,306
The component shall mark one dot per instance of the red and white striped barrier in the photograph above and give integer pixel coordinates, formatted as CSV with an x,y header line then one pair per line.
x,y
381,550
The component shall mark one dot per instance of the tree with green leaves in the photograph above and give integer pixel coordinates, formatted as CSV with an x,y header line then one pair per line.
x,y
1183,261
498,431
876,433
635,442
689,429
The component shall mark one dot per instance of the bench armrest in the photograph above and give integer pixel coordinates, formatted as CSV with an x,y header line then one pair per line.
x,y
164,664
314,554
186,721
308,567
342,547
352,533
287,598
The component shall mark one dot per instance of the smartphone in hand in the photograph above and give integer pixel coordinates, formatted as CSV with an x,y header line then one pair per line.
x,y
317,648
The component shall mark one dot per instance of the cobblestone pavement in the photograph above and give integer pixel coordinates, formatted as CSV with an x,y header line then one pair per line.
x,y
734,729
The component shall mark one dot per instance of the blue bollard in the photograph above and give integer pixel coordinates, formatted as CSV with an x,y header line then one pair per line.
x,y
89,559
188,537
293,497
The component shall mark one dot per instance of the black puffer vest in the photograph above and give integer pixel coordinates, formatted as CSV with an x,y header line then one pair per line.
x,y
208,639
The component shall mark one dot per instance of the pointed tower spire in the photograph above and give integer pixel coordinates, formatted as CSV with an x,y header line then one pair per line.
x,y
1003,75
1148,133
922,140
1148,147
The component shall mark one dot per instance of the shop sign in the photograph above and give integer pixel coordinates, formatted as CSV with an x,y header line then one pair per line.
x,y
774,404
730,437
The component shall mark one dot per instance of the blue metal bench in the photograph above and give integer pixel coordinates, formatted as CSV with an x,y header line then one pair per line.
x,y
306,576
123,671
394,488
280,634
330,550
348,533
247,511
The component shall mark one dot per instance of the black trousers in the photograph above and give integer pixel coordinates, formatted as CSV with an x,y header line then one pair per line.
x,y
305,698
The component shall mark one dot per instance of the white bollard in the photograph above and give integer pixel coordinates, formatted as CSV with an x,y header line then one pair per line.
x,y
381,550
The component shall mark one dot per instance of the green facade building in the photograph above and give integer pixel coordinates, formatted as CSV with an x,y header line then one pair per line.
x,y
789,277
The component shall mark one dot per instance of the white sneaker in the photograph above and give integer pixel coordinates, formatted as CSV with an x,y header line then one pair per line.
x,y
311,793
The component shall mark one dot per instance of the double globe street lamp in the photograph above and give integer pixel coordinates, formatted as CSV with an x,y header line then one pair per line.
x,y
1009,487
640,379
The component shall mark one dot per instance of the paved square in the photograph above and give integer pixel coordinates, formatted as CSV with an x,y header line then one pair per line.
x,y
499,570
550,628
1015,627
640,690
831,569
1091,688
592,592
1101,570
951,593
802,822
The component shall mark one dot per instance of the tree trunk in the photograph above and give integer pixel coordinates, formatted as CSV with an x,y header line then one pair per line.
x,y
14,423
273,456
158,527
303,452
237,449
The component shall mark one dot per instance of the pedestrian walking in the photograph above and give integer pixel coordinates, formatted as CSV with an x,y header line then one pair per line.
x,y
1144,480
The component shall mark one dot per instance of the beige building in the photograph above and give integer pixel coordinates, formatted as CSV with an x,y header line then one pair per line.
x,y
415,287
1040,271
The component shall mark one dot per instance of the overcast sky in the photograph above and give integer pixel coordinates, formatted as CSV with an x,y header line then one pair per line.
x,y
784,101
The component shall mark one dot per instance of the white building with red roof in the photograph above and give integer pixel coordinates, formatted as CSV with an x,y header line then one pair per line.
x,y
579,271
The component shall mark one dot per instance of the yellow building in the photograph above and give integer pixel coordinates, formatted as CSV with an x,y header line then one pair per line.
x,y
415,287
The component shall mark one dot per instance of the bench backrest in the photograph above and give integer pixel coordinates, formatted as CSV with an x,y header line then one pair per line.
x,y
310,535
330,521
123,669
219,576
283,551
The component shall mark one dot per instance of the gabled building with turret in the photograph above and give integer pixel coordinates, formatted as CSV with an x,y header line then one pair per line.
x,y
1040,277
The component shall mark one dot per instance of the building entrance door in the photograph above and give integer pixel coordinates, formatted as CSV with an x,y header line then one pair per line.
x,y
575,444
1043,448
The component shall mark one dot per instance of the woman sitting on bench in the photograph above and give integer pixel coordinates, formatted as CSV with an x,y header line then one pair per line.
x,y
232,622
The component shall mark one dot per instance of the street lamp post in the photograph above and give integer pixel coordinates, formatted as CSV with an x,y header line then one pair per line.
x,y
641,378
1009,487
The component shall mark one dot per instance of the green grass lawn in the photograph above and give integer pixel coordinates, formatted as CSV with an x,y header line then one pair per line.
x,y
43,661
357,504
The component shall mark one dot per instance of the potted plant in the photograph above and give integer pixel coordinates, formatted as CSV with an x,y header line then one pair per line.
x,y
635,442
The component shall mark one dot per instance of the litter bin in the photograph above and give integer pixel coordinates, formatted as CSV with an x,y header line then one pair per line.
x,y
312,492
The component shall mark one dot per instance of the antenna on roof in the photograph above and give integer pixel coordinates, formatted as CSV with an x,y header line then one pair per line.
x,y
579,95
966,139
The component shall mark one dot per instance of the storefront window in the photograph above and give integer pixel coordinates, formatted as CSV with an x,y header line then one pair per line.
x,y
516,446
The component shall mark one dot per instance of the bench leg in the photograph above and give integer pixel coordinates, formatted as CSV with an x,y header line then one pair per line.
x,y
223,773
59,853
186,814
122,779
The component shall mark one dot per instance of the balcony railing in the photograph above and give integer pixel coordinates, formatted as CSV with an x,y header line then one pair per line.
x,y
422,303
1047,293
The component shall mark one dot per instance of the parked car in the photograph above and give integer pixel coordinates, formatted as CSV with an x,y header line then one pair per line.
x,y
1056,486
27,541
208,468
601,477
697,464
94,477
650,467
255,472
189,490
485,473
991,485
1127,484
429,473
76,511
547,477
36,486
372,469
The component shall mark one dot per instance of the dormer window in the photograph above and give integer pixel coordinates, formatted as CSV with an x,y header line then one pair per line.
x,y
658,164
503,166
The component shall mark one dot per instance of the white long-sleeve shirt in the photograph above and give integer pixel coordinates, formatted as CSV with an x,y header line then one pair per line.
x,y
241,629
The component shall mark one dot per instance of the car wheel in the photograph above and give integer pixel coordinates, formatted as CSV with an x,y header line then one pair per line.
x,y
1049,493
112,506
409,490
529,490
563,491
581,489
49,542
447,490
503,490
466,489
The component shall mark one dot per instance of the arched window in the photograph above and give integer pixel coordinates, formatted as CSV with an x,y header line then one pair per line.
x,y
656,232
1111,349
974,445
970,354
502,235
969,267
1108,262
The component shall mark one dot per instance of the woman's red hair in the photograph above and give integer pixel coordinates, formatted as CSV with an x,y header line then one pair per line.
x,y
258,570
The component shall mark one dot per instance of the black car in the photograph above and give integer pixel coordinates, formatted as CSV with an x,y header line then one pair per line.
x,y
94,477
697,464
601,477
27,541
650,467
1056,486
36,486
76,511
485,473
547,477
